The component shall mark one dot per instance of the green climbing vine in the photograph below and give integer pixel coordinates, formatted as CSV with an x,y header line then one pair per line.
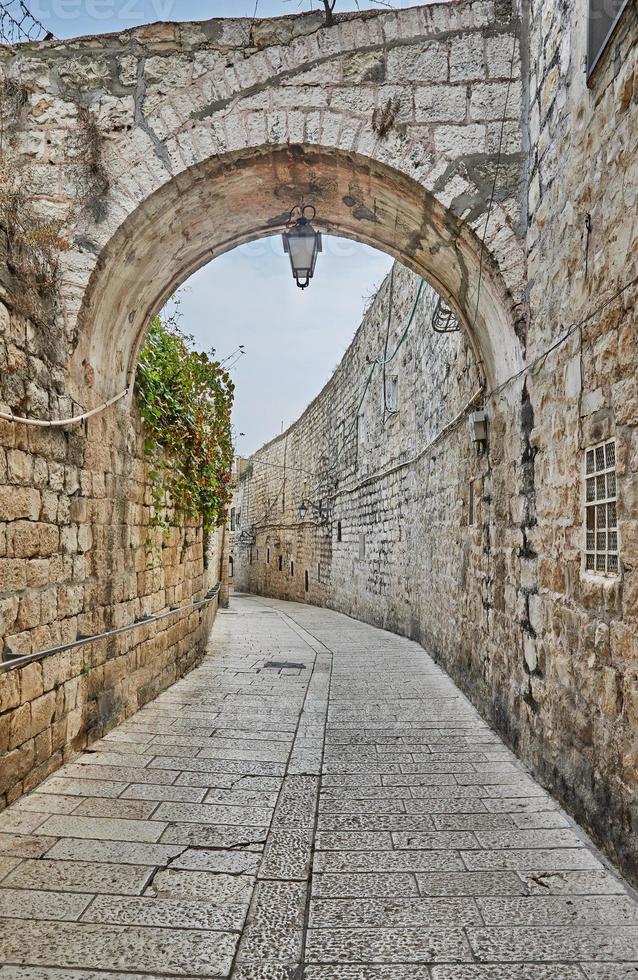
x,y
185,399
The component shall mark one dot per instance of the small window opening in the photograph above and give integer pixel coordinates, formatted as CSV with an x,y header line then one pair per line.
x,y
338,530
362,431
601,510
281,563
231,567
392,395
604,16
306,581
292,569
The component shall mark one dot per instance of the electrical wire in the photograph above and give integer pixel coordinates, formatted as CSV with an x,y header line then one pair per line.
x,y
385,349
56,423
571,330
383,474
18,25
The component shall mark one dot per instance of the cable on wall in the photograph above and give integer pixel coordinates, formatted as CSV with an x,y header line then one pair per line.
x,y
57,423
18,25
386,411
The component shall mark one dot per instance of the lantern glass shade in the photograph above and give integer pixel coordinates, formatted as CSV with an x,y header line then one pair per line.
x,y
302,509
303,244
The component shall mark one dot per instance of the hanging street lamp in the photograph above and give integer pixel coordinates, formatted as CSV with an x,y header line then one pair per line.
x,y
302,243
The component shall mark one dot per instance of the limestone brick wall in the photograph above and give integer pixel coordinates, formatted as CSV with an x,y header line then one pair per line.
x,y
405,538
580,715
478,554
78,557
547,649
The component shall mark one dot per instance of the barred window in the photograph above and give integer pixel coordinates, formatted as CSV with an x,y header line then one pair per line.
x,y
601,515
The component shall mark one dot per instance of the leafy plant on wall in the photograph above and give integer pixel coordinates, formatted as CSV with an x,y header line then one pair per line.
x,y
185,399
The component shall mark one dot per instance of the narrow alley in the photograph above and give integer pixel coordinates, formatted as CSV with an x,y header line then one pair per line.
x,y
319,800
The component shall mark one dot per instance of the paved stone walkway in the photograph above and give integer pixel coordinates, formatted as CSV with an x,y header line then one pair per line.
x,y
318,794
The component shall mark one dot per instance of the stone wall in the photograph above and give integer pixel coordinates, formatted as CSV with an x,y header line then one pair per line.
x,y
78,557
580,717
477,554
408,130
406,538
546,648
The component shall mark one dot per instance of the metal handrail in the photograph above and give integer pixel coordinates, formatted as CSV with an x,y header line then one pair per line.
x,y
13,661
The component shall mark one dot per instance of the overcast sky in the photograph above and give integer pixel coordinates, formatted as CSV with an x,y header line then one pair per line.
x,y
293,339
71,18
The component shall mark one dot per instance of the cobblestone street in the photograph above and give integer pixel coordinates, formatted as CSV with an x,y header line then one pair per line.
x,y
318,800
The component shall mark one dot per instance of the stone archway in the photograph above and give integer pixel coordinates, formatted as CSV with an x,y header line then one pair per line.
x,y
404,127
227,201
159,148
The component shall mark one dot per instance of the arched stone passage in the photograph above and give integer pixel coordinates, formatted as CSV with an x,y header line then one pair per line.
x,y
227,201
404,127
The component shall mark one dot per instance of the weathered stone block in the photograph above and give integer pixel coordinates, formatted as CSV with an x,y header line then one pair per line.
x,y
422,63
20,729
15,766
440,103
30,540
467,57
19,502
459,141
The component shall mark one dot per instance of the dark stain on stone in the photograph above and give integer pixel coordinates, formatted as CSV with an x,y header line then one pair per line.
x,y
362,213
278,219
86,245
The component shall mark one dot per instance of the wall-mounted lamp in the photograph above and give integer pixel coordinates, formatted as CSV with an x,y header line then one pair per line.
x,y
302,243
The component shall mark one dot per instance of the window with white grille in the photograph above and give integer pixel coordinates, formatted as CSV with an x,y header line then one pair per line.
x,y
601,514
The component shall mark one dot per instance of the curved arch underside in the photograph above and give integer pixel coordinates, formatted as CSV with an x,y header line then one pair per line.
x,y
230,200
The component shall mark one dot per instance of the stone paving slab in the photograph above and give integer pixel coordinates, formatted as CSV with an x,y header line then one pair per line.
x,y
351,820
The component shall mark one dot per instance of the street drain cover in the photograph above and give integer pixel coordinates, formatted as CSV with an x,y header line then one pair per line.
x,y
284,665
